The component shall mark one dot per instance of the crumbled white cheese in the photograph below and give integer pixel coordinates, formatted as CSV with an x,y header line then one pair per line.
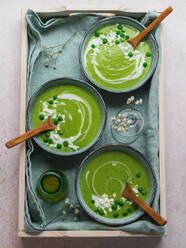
x,y
103,201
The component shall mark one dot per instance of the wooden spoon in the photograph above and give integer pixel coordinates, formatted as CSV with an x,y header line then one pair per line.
x,y
45,126
134,41
129,194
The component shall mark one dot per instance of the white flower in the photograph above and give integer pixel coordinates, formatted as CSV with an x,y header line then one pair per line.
x,y
123,115
64,212
132,98
75,219
71,206
128,101
140,100
137,102
76,211
67,202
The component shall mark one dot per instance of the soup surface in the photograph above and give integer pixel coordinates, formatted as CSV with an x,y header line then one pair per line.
x,y
103,180
111,61
75,113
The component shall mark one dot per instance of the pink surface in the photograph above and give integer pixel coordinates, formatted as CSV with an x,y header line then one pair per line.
x,y
175,91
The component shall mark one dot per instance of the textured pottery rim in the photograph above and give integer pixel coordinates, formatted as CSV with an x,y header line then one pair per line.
x,y
143,81
96,216
101,129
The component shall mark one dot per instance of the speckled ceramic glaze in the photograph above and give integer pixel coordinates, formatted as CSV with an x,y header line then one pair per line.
x,y
126,86
137,156
59,83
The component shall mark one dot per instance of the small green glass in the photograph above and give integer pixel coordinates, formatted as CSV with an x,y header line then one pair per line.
x,y
52,186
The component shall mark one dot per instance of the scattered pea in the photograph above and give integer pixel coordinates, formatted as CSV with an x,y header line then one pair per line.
x,y
93,46
92,201
50,141
127,37
129,210
60,132
59,146
97,210
140,188
123,31
97,34
117,41
116,202
50,101
41,117
121,203
125,213
119,26
115,215
114,207
104,41
60,118
45,139
130,54
138,174
145,64
54,97
122,35
122,40
135,206
144,192
101,212
148,54
55,121
118,32
47,134
65,143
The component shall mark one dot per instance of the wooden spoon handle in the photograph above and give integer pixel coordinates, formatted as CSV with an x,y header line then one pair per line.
x,y
23,137
129,194
159,19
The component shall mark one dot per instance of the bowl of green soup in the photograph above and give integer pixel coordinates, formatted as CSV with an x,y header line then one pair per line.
x,y
75,108
110,62
101,179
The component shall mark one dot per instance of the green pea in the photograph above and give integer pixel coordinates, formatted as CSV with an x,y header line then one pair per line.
x,y
145,64
54,97
123,31
117,41
148,54
118,32
60,118
105,41
101,212
93,46
97,210
122,35
92,201
47,134
138,174
65,143
125,213
50,101
116,202
115,215
130,54
45,139
121,203
140,188
55,121
129,210
50,141
135,206
59,146
122,40
127,37
114,207
144,192
60,132
119,26
97,34
41,117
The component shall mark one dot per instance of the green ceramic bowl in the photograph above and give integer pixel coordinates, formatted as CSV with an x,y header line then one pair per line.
x,y
137,155
65,81
128,22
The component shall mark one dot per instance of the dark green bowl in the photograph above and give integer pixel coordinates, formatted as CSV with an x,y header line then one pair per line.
x,y
137,155
65,81
128,22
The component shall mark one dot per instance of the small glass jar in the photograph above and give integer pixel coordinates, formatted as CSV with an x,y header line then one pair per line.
x,y
52,186
127,126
